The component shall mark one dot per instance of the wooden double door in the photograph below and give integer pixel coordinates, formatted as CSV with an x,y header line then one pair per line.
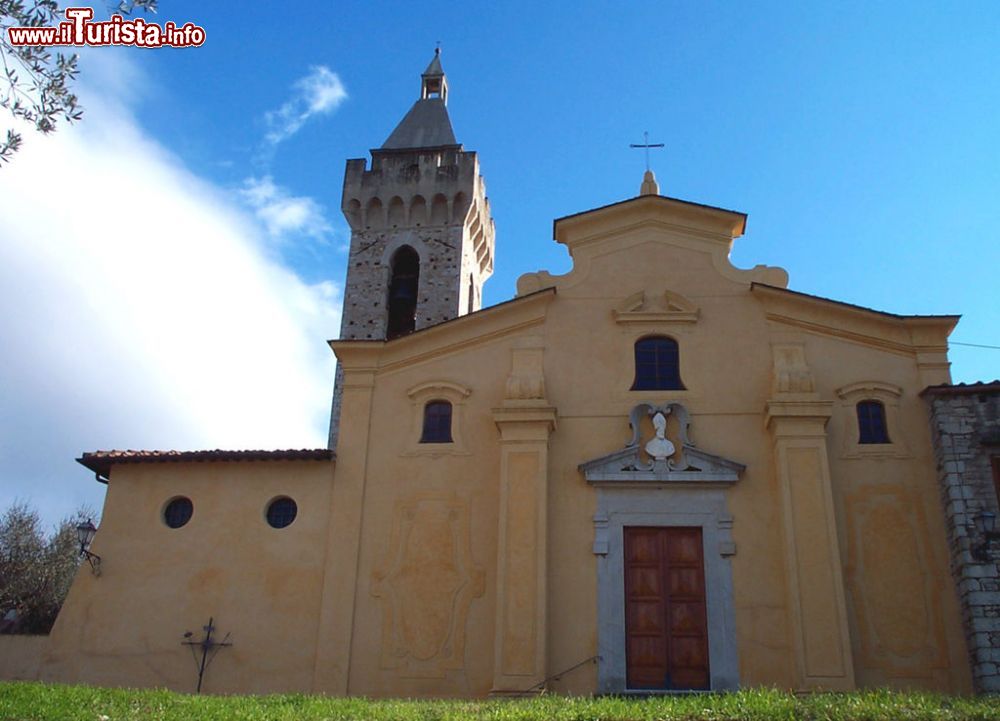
x,y
666,632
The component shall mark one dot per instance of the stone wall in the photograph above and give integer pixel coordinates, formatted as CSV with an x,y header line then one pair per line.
x,y
366,291
432,200
965,423
365,314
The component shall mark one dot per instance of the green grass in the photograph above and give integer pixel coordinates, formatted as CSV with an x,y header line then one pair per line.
x,y
44,702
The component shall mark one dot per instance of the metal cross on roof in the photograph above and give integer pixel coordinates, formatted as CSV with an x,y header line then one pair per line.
x,y
646,145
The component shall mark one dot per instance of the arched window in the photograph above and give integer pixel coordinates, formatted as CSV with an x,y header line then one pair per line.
x,y
404,275
657,365
871,422
437,422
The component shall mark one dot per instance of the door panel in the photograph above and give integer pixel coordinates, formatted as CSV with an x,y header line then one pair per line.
x,y
666,631
646,582
685,582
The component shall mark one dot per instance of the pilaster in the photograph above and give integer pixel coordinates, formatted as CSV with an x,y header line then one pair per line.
x,y
797,420
525,422
335,630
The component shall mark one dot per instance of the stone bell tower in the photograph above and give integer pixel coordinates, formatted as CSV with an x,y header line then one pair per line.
x,y
421,231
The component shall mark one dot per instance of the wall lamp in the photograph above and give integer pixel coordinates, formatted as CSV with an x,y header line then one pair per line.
x,y
85,531
985,524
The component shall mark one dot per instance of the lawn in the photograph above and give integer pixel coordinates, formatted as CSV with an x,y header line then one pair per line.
x,y
44,702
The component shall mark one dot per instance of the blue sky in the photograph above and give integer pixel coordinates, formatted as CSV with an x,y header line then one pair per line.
x,y
203,260
863,139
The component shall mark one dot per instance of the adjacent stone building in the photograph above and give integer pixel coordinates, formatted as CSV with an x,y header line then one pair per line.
x,y
965,423
657,472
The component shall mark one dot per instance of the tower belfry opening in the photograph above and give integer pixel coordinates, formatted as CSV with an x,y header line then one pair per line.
x,y
422,237
404,277
432,82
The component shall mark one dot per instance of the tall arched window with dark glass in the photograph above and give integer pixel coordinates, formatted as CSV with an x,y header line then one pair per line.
x,y
657,365
437,422
404,276
871,423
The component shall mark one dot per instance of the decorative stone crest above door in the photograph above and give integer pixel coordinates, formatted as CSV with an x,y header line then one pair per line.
x,y
657,458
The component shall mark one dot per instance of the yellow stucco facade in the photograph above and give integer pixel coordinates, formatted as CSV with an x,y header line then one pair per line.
x,y
465,568
496,563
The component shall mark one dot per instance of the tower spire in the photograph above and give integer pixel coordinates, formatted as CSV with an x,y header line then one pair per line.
x,y
427,124
422,236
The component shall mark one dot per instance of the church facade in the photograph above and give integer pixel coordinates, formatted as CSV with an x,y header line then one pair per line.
x,y
657,472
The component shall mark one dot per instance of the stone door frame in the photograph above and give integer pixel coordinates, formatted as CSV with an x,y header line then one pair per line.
x,y
704,508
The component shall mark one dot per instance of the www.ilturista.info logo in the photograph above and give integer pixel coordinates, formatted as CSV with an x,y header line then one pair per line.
x,y
79,30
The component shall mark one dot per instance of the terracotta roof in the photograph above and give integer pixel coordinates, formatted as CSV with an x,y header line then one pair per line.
x,y
100,462
960,388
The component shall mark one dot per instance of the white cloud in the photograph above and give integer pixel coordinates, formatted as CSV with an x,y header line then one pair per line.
x,y
317,93
281,213
142,309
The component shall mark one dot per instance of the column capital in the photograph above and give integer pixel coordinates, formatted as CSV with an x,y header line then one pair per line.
x,y
797,418
525,423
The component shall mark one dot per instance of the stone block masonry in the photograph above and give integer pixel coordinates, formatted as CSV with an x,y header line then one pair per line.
x,y
432,200
965,425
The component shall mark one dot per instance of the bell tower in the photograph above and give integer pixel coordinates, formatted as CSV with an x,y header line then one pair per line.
x,y
422,236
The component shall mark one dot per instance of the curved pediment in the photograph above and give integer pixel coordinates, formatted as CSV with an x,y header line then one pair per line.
x,y
633,226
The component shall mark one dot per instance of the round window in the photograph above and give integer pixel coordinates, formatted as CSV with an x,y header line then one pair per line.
x,y
178,512
281,512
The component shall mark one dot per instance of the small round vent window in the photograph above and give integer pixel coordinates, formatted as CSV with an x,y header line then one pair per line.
x,y
178,512
281,512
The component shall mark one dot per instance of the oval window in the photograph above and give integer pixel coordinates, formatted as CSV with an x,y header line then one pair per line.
x,y
281,512
178,512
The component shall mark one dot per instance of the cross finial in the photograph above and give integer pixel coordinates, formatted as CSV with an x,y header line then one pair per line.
x,y
646,145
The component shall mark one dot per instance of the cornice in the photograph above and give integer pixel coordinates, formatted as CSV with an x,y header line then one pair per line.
x,y
444,338
873,341
706,220
905,335
616,231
